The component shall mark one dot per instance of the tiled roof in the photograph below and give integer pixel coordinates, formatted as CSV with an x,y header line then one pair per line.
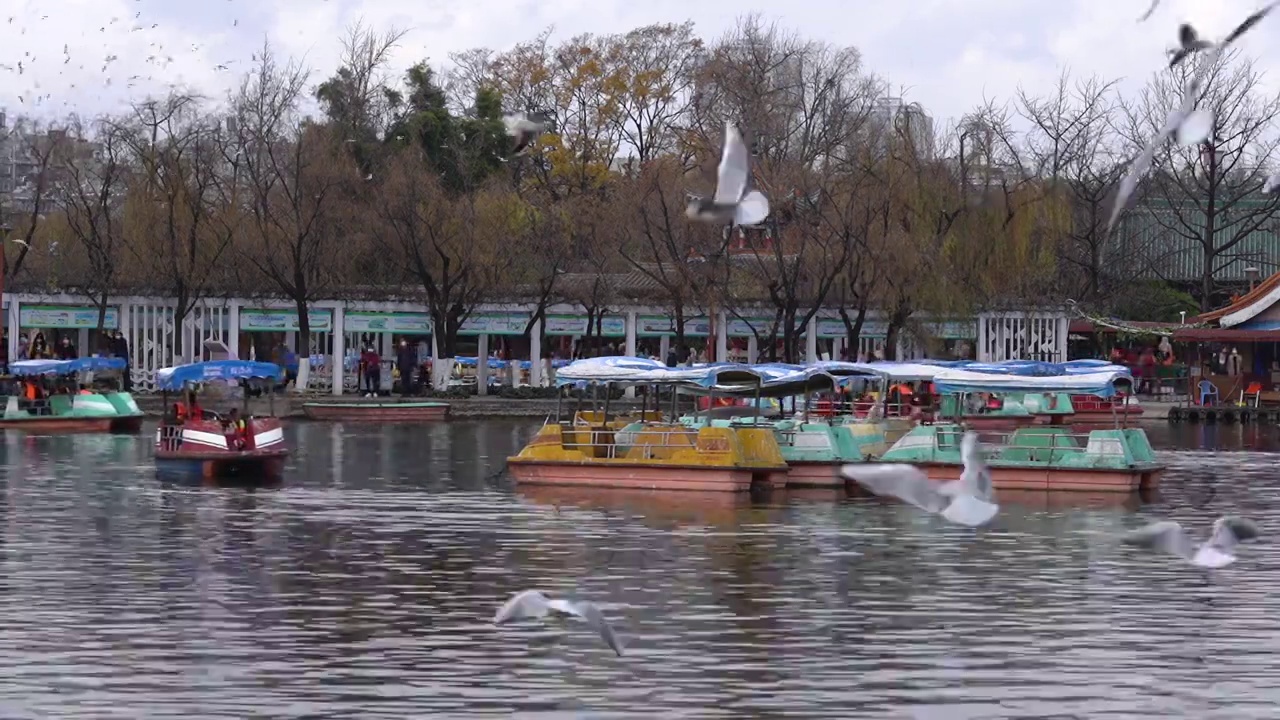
x,y
1261,291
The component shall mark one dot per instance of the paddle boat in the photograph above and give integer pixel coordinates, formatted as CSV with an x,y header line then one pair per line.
x,y
814,446
207,446
598,450
1042,457
48,396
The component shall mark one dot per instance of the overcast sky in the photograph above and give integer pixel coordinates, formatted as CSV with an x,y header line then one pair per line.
x,y
948,54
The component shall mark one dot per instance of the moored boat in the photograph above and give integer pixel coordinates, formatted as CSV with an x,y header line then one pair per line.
x,y
1043,457
1104,411
204,446
592,450
813,445
48,397
389,411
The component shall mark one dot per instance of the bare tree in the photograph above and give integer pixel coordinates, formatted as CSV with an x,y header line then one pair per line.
x,y
660,243
95,174
650,83
33,195
294,172
1072,147
1206,199
801,105
359,99
180,221
448,244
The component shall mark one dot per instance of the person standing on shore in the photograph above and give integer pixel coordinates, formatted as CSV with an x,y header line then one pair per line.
x,y
372,371
120,348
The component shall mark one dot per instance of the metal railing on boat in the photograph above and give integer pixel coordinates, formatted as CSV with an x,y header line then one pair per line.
x,y
604,443
1025,445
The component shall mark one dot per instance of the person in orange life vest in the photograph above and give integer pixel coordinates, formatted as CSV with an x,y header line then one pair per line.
x,y
898,396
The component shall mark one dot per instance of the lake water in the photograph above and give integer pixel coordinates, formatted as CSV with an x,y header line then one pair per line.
x,y
365,588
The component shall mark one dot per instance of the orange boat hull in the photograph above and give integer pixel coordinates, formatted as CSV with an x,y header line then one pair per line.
x,y
1043,479
646,477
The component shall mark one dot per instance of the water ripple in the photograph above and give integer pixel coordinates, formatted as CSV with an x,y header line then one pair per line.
x,y
365,587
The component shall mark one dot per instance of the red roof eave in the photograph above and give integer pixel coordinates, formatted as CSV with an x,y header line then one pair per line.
x,y
1249,298
1225,335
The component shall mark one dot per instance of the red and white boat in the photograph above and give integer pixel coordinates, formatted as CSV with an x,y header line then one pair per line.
x,y
219,446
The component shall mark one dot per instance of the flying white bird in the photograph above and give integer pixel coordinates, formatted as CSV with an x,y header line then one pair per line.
x,y
534,604
1192,126
525,128
1189,41
1218,551
967,501
732,204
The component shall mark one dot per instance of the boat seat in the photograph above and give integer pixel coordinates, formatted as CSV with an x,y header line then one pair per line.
x,y
660,442
60,404
1104,450
600,438
1038,445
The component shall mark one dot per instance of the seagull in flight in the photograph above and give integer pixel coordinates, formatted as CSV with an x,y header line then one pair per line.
x,y
1189,124
525,128
967,501
1218,551
534,604
733,203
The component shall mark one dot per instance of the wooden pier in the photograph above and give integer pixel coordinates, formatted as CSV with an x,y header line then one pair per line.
x,y
1224,414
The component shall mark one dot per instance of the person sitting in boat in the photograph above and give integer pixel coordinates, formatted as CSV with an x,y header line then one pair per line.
x,y
188,409
235,429
898,396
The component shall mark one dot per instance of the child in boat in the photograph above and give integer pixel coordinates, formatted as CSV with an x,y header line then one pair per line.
x,y
235,429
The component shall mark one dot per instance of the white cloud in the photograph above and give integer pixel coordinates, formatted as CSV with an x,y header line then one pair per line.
x,y
947,53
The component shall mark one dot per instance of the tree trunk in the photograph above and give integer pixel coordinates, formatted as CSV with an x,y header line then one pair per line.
x,y
180,312
790,335
304,345
897,319
853,329
102,322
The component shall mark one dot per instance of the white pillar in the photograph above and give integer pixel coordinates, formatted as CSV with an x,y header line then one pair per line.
x,y
12,321
753,349
664,347
631,333
233,329
722,336
630,392
535,354
482,365
811,340
339,356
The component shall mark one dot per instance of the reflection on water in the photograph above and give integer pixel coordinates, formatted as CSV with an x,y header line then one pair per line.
x,y
366,585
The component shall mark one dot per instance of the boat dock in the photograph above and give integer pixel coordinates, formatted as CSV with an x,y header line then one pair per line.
x,y
1225,413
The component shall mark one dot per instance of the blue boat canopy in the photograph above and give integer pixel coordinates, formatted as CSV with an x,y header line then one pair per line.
x,y
785,380
29,368
904,371
621,370
175,378
1101,382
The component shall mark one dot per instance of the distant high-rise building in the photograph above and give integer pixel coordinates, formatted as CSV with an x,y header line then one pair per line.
x,y
891,117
